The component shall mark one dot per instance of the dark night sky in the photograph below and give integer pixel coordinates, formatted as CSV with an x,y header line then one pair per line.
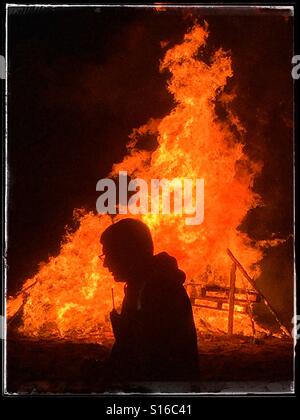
x,y
81,79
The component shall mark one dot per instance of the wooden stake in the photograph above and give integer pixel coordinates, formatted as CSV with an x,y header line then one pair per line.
x,y
113,297
231,298
251,281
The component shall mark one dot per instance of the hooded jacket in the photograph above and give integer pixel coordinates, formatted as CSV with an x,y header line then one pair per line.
x,y
157,337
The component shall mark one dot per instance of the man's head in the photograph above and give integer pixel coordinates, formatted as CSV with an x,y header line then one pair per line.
x,y
127,247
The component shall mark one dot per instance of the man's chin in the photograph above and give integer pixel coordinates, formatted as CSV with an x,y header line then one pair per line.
x,y
118,278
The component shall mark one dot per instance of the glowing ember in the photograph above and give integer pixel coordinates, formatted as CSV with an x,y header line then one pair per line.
x,y
72,294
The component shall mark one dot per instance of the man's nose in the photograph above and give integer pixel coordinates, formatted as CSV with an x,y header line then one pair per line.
x,y
105,262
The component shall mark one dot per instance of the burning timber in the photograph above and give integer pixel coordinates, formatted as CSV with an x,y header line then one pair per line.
x,y
225,299
69,297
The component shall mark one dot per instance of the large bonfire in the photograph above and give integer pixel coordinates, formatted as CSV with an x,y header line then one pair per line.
x,y
70,295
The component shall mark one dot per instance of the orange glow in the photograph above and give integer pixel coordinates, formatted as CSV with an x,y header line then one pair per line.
x,y
72,297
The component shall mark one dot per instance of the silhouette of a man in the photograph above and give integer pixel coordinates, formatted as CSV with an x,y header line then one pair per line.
x,y
155,336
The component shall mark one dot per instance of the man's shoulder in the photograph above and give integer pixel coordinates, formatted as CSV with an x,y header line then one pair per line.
x,y
166,293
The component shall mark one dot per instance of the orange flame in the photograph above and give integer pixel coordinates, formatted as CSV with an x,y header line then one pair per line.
x,y
72,296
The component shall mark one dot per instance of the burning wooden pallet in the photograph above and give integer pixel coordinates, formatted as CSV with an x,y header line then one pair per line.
x,y
217,297
231,299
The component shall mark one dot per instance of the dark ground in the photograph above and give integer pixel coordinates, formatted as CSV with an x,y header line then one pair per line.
x,y
226,365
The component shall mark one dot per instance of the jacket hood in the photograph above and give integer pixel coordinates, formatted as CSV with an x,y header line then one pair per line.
x,y
166,268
